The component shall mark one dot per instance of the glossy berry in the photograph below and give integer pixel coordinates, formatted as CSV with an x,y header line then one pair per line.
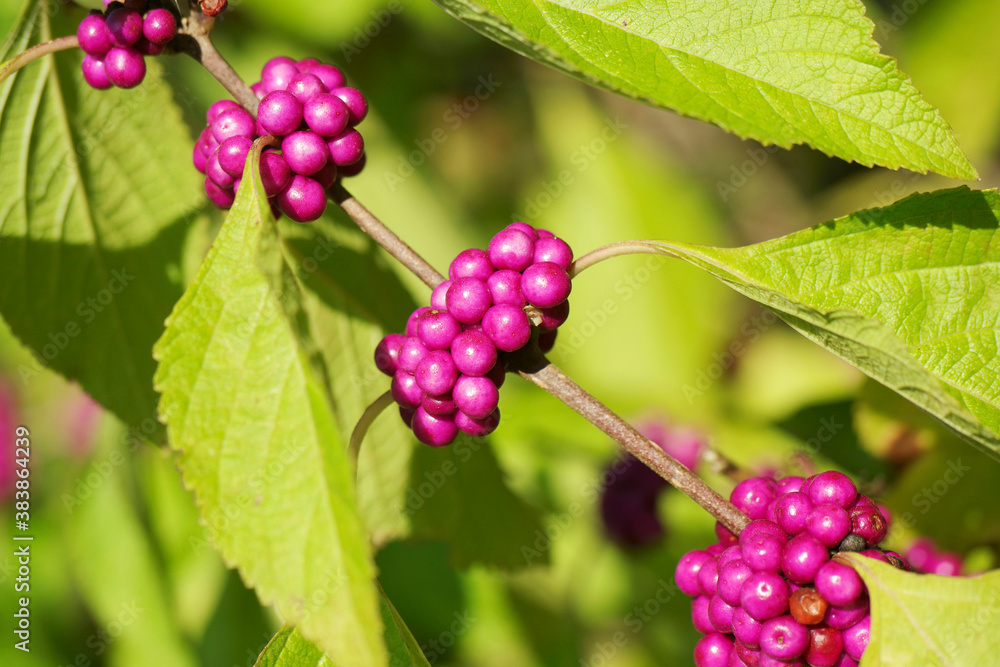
x,y
159,26
856,637
438,295
234,122
838,583
274,173
439,405
834,488
277,73
305,152
411,353
807,606
414,319
405,390
219,176
783,638
233,155
746,629
791,511
553,250
505,288
477,428
477,397
280,113
545,284
217,108
732,576
763,552
713,650
468,299
436,373
437,329
829,524
331,77
842,618
686,572
825,647
708,577
93,36
720,614
508,327
472,263
764,595
434,430
752,496
699,615
474,353
346,148
304,200
759,527
802,558
325,114
869,523
305,86
124,27
96,77
387,353
511,249
124,67
355,102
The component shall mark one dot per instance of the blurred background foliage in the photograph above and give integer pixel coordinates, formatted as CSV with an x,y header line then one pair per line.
x,y
463,138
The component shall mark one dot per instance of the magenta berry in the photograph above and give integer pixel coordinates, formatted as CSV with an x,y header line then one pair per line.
x,y
765,595
355,102
783,638
124,67
303,200
844,617
829,524
825,647
708,577
331,77
699,615
325,114
221,197
305,152
791,511
159,26
434,430
411,353
405,390
468,300
217,108
233,122
505,288
856,637
439,405
713,650
686,573
720,614
277,73
477,397
96,77
436,374
545,284
477,428
438,296
346,148
763,552
274,173
124,27
802,558
553,250
732,576
93,36
508,327
752,496
472,263
746,628
512,249
437,329
219,176
838,583
280,113
387,353
474,353
305,86
834,488
414,320
233,155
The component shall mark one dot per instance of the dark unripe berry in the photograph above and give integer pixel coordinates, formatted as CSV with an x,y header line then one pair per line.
x,y
125,68
853,543
159,26
93,36
547,341
807,606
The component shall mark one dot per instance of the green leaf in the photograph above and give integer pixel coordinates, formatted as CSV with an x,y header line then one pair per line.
x,y
288,648
259,445
782,73
923,619
97,198
907,293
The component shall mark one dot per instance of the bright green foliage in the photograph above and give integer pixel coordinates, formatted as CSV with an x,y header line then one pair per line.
x,y
908,293
784,73
288,648
923,619
97,200
259,445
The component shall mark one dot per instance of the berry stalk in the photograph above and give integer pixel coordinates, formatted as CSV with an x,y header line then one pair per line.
x,y
533,366
200,47
613,250
36,52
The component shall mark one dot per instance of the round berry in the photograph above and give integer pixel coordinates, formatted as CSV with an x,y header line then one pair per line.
x,y
277,73
221,197
842,618
791,511
355,102
555,251
280,113
732,576
869,523
788,484
305,86
434,430
274,173
856,637
763,552
411,353
825,647
725,536
783,638
303,200
414,319
405,390
233,155
505,288
508,327
512,249
747,657
746,628
468,300
235,122
436,373
474,353
305,152
720,614
834,488
124,27
477,428
759,527
713,650
96,77
159,26
325,114
439,405
93,36
472,263
807,606
331,77
699,615
730,554
346,148
802,558
545,284
686,572
708,577
752,496
219,176
125,68
437,329
945,565
387,353
764,595
217,108
838,583
829,524
477,397
438,301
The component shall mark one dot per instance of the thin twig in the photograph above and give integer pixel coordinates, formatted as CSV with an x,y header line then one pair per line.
x,y
613,250
198,29
385,237
36,52
533,366
364,423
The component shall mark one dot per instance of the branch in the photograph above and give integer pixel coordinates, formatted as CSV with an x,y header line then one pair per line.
x,y
533,366
36,52
614,250
198,45
385,237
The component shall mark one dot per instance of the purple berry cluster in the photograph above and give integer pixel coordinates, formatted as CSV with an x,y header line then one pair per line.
x,y
447,370
117,40
628,502
308,108
777,595
925,557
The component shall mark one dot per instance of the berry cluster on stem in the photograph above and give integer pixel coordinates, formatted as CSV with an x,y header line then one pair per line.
x,y
117,40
